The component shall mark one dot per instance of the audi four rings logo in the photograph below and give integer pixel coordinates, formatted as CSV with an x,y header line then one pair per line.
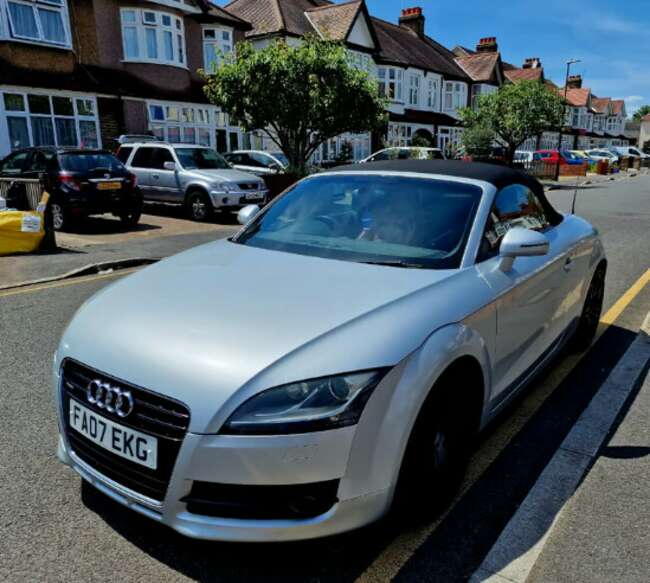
x,y
113,399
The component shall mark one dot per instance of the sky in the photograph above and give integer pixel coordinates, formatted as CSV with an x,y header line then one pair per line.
x,y
610,37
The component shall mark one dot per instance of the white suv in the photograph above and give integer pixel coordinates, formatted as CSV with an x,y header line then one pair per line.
x,y
191,175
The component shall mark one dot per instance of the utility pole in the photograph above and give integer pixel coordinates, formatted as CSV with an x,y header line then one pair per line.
x,y
559,146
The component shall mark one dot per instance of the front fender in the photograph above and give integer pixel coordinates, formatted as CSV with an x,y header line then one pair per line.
x,y
387,421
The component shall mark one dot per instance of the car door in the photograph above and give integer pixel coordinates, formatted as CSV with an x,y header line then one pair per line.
x,y
531,311
165,185
141,167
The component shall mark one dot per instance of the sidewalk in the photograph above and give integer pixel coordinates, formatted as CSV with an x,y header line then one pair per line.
x,y
17,269
603,533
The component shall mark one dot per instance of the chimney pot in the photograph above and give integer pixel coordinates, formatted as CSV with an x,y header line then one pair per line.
x,y
574,82
487,44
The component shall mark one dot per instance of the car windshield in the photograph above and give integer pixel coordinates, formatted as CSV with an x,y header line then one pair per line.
x,y
281,157
391,220
200,159
90,161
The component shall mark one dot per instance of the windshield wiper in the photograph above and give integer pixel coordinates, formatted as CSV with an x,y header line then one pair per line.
x,y
395,263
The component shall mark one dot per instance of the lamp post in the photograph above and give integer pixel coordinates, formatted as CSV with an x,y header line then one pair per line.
x,y
566,88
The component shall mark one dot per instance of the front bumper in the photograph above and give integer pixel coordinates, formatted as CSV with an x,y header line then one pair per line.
x,y
238,199
276,460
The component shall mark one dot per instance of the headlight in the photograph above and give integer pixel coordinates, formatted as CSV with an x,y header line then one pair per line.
x,y
313,405
225,187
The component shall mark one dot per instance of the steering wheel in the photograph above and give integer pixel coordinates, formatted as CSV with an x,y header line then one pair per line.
x,y
329,221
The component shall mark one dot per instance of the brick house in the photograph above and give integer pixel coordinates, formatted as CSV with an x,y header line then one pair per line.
x,y
82,72
424,84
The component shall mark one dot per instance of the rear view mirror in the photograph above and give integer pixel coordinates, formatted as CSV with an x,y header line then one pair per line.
x,y
171,166
520,242
246,214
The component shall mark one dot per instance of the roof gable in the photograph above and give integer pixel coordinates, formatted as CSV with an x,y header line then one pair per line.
x,y
481,67
348,21
361,33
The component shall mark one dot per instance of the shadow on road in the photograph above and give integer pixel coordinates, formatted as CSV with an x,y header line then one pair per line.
x,y
105,225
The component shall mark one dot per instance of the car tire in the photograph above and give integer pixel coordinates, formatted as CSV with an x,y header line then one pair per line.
x,y
437,454
199,206
591,311
60,216
131,217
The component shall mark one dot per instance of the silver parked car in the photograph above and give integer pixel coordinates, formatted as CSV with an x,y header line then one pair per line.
x,y
258,162
337,356
191,175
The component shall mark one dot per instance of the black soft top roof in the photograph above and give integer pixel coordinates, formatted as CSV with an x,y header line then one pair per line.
x,y
499,176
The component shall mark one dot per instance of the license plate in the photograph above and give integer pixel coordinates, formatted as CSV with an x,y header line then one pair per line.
x,y
109,185
123,441
255,196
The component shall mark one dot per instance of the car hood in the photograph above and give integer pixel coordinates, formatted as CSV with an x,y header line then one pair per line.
x,y
227,175
224,318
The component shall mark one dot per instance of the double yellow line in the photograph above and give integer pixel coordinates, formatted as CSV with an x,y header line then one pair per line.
x,y
391,560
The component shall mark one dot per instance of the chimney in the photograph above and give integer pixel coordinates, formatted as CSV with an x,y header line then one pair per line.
x,y
532,63
487,45
574,82
413,19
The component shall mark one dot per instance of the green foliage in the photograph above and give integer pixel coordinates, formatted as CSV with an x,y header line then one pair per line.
x,y
477,140
347,152
421,141
641,112
517,112
299,95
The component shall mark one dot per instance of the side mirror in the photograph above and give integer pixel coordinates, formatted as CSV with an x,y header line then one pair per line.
x,y
171,166
520,242
246,214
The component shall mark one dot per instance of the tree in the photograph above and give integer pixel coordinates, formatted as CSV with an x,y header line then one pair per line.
x,y
517,112
641,112
478,139
300,96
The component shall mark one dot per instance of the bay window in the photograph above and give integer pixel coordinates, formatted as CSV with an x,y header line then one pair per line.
x,y
455,96
39,21
40,119
432,93
390,82
414,89
217,43
479,90
152,36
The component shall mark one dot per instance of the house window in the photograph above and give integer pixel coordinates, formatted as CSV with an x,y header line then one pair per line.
x,y
390,82
153,36
432,93
192,124
480,90
414,89
455,96
217,43
43,21
360,61
39,119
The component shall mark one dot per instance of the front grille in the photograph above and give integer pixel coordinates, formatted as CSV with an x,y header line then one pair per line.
x,y
262,502
154,414
249,186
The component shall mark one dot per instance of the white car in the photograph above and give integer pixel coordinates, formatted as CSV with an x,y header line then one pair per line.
x,y
258,162
602,154
632,152
331,361
405,153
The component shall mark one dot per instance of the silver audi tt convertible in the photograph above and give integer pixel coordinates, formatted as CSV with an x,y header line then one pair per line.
x,y
335,359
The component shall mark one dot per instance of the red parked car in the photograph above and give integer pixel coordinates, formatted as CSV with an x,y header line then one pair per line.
x,y
552,156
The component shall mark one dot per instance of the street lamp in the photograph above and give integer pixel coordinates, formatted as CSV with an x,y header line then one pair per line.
x,y
566,88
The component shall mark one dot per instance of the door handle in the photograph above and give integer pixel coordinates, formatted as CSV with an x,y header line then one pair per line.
x,y
156,176
568,264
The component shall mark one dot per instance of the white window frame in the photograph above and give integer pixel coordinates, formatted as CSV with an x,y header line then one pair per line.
x,y
176,28
25,114
433,93
384,78
6,25
414,89
456,91
218,44
480,89
196,116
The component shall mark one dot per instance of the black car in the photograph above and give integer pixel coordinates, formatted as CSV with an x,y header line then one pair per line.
x,y
81,182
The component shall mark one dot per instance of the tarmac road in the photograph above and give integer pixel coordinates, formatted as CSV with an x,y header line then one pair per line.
x,y
53,529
